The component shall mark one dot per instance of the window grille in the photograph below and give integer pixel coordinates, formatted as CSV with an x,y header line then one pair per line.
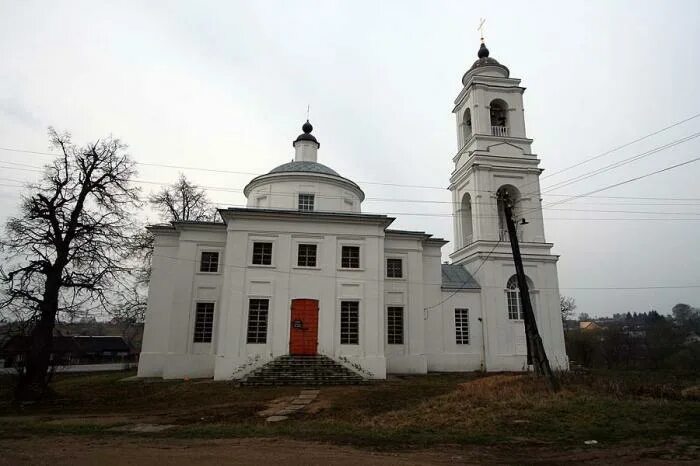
x,y
306,202
262,253
203,322
209,262
462,326
257,320
394,322
349,322
307,255
350,257
394,268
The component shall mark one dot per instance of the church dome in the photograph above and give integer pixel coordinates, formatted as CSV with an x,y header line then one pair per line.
x,y
304,166
483,63
279,187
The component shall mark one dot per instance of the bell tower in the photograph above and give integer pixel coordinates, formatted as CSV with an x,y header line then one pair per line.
x,y
494,155
493,152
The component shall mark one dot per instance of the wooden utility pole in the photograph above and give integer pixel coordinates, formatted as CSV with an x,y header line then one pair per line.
x,y
535,349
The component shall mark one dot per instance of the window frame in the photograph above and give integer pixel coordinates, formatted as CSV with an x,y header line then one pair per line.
x,y
461,316
203,335
349,323
394,323
358,258
262,254
401,268
258,329
202,262
303,204
301,245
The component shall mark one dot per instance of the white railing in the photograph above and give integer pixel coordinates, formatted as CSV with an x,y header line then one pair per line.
x,y
503,235
499,131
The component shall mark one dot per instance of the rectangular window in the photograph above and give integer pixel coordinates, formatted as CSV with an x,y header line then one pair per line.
x,y
203,322
394,322
350,257
307,255
462,326
210,262
349,322
257,320
262,253
394,268
515,306
306,202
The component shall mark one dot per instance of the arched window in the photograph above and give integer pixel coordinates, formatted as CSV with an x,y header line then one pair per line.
x,y
467,126
511,194
513,300
499,118
465,217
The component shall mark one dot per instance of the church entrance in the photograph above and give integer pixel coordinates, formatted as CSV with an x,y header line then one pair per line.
x,y
303,333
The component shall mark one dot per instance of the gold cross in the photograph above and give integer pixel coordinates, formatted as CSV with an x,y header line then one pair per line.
x,y
481,28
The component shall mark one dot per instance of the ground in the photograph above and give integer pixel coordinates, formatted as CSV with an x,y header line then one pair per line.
x,y
433,419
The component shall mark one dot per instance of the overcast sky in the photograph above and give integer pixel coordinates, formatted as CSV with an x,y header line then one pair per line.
x,y
225,85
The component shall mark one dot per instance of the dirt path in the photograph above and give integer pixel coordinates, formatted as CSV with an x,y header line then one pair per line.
x,y
71,450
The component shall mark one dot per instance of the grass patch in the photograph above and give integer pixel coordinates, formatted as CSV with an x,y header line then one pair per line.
x,y
411,411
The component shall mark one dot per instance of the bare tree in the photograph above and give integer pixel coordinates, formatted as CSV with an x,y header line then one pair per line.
x,y
69,247
183,201
568,306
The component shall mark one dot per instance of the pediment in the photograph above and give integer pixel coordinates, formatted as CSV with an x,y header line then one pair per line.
x,y
505,148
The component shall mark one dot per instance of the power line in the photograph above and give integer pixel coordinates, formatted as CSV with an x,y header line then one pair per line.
x,y
636,178
618,164
622,146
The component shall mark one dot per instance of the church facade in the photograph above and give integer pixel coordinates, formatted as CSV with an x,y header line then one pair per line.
x,y
301,270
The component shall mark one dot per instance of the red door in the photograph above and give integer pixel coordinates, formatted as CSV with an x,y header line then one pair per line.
x,y
303,333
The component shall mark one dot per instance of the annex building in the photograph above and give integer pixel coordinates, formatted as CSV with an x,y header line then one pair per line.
x,y
301,270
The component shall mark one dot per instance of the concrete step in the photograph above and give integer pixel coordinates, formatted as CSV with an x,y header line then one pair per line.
x,y
302,370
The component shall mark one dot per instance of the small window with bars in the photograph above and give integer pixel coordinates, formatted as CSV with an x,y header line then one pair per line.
x,y
307,255
262,253
394,322
203,322
350,257
209,262
349,322
462,326
306,202
394,268
257,320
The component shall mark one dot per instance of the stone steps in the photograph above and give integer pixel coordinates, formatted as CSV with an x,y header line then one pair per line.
x,y
302,370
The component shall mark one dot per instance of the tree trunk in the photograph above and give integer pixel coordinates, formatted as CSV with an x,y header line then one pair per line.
x,y
34,381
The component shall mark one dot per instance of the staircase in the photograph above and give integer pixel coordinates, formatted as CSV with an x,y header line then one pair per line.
x,y
302,370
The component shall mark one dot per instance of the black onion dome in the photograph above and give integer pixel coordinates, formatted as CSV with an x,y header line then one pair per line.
x,y
306,135
483,61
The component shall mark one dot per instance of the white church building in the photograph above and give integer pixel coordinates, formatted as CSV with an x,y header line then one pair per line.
x,y
302,271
